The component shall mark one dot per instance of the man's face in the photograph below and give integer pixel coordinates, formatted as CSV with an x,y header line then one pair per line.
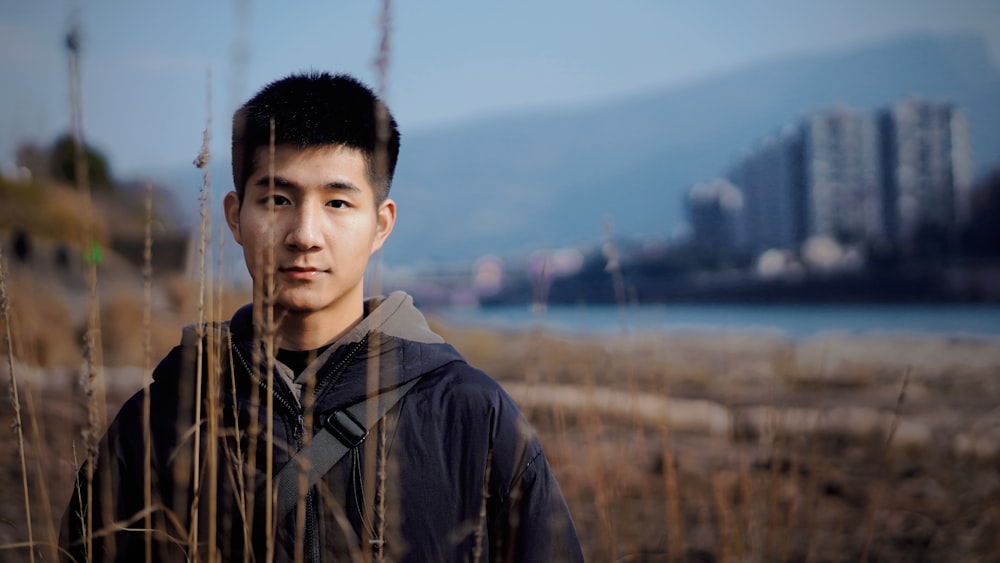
x,y
315,231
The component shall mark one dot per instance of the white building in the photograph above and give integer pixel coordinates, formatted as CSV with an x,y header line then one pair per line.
x,y
770,178
922,165
856,177
841,176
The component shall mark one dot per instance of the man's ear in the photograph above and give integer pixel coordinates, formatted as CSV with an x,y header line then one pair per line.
x,y
385,221
231,207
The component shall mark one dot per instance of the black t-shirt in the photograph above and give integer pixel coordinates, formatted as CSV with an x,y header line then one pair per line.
x,y
298,360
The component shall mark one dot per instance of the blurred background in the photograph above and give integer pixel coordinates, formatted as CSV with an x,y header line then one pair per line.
x,y
833,152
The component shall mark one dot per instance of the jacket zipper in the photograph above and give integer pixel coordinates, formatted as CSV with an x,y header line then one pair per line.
x,y
334,375
331,377
298,430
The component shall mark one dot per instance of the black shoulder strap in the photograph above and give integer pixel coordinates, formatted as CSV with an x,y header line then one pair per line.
x,y
342,431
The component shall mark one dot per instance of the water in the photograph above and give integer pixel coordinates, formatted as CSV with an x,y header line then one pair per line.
x,y
975,320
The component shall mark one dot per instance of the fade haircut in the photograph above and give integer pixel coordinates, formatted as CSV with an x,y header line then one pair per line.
x,y
317,109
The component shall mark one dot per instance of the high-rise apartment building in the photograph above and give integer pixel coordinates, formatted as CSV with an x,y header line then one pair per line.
x,y
926,160
856,177
840,176
715,209
770,178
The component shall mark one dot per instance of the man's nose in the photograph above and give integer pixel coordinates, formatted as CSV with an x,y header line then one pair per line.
x,y
305,231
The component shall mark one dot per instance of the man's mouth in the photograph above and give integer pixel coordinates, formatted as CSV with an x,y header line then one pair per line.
x,y
300,272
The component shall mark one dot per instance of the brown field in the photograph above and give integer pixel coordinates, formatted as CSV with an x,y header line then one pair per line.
x,y
736,447
756,448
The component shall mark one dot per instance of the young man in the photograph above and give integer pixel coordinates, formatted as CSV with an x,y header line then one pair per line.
x,y
251,455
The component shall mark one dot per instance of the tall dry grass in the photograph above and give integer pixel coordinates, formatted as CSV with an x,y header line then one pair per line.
x,y
677,448
742,447
15,400
668,447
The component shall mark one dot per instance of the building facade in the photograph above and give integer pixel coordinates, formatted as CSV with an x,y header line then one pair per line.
x,y
715,210
856,177
841,176
773,205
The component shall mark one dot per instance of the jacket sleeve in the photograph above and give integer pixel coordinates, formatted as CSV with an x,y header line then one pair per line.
x,y
106,519
542,529
531,521
107,499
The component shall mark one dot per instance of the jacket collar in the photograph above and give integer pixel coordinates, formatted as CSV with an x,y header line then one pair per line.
x,y
394,315
394,332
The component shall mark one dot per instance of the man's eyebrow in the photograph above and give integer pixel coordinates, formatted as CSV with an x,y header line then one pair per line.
x,y
280,182
343,185
265,181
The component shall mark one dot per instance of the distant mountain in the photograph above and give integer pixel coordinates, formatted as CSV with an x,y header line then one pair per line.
x,y
549,178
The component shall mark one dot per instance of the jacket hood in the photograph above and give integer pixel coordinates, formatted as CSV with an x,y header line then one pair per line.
x,y
392,332
394,316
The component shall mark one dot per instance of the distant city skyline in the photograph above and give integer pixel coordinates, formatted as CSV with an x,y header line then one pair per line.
x,y
895,175
145,66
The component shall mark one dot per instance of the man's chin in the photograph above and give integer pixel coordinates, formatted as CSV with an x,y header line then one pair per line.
x,y
301,304
296,308
301,301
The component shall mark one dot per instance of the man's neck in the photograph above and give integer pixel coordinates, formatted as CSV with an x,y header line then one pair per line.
x,y
309,331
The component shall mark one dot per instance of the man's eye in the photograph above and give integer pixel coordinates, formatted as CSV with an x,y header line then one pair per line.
x,y
338,203
278,200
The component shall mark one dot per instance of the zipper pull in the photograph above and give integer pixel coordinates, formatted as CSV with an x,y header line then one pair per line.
x,y
300,424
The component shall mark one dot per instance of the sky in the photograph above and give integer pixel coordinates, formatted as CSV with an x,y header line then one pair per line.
x,y
155,73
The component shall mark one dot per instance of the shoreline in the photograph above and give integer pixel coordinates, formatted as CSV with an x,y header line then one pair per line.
x,y
886,320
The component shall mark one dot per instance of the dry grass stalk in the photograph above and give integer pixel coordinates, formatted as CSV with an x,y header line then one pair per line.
x,y
774,483
480,533
202,162
15,400
743,531
93,383
725,526
209,356
601,488
269,342
370,452
880,481
45,501
254,431
791,515
147,370
614,266
812,485
382,475
373,480
674,522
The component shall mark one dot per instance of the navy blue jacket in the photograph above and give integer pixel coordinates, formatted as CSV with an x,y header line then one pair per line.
x,y
452,473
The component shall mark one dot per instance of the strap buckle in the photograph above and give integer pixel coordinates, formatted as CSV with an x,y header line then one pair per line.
x,y
347,429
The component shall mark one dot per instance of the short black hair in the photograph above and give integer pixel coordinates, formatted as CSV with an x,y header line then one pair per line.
x,y
312,110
